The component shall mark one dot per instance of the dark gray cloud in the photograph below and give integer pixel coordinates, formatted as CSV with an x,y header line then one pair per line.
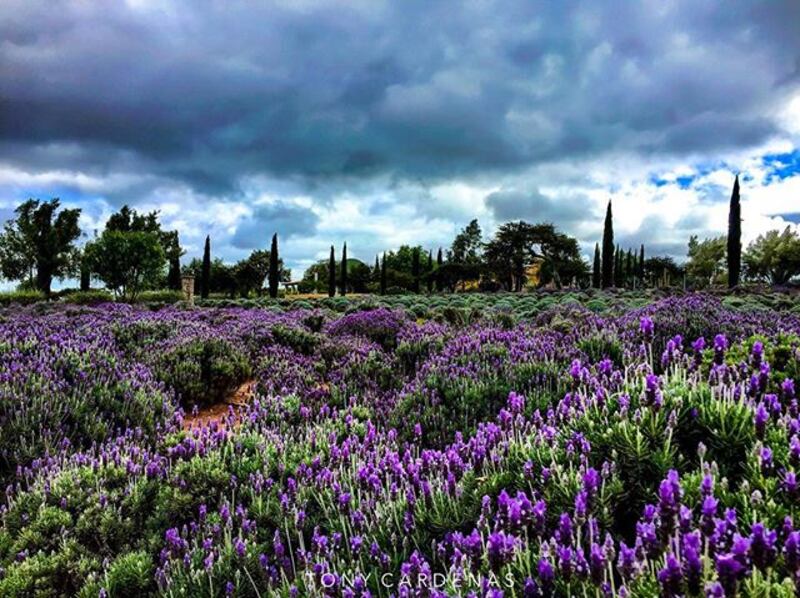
x,y
201,103
208,93
288,220
534,206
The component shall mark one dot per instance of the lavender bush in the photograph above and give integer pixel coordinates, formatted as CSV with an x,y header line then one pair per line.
x,y
556,450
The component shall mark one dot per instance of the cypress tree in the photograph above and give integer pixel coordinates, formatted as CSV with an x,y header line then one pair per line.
x,y
174,259
376,272
734,237
430,271
332,273
618,275
205,273
344,270
415,270
630,273
86,275
274,275
641,265
383,274
439,262
608,249
174,273
596,277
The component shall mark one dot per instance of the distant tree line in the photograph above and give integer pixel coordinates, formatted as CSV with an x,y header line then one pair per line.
x,y
134,253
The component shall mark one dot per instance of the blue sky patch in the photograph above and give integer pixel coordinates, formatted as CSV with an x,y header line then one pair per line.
x,y
793,217
782,166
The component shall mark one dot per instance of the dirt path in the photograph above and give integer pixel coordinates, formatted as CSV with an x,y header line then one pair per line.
x,y
239,399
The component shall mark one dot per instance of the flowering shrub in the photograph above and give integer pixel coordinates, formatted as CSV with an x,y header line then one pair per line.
x,y
649,453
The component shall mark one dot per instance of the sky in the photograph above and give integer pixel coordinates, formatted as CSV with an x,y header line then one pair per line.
x,y
386,123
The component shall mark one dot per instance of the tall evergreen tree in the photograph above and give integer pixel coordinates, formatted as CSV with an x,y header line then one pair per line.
x,y
274,273
734,237
429,270
174,273
630,273
415,270
596,275
383,274
608,249
376,272
332,273
205,272
640,269
86,274
439,263
344,270
618,265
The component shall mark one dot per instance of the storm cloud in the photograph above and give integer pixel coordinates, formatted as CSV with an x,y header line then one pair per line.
x,y
396,106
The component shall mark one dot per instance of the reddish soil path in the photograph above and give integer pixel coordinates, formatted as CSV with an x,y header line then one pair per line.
x,y
239,399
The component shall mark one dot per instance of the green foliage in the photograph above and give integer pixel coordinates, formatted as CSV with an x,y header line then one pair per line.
x,y
202,371
91,297
774,257
130,575
21,297
160,296
706,263
38,245
127,262
299,340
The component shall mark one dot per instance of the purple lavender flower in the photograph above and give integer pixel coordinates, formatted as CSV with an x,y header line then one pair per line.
x,y
646,327
671,577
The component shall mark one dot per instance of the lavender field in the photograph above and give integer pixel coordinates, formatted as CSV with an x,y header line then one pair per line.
x,y
511,448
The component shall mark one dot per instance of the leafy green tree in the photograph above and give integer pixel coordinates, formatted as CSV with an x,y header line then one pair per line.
x,y
706,263
450,275
734,237
205,272
129,220
773,257
467,247
126,262
402,260
222,278
274,267
608,249
38,245
661,270
596,274
415,270
358,275
518,244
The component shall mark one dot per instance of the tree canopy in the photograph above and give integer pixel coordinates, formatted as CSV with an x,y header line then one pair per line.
x,y
516,245
774,257
706,263
38,245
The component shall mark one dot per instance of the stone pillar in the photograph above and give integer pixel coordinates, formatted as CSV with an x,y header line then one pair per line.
x,y
187,284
